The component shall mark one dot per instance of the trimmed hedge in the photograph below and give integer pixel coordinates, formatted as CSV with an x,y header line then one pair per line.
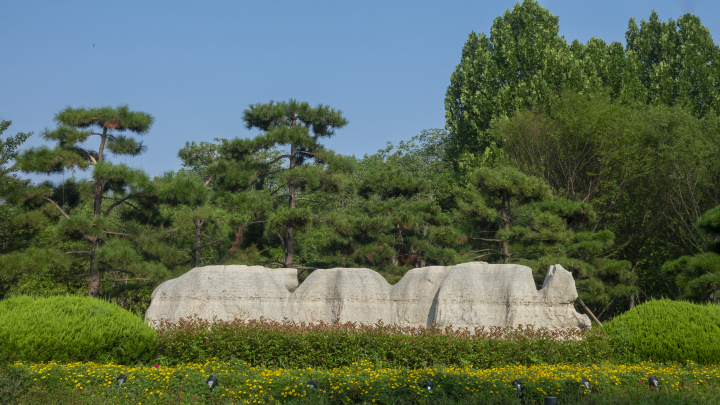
x,y
293,345
665,330
69,329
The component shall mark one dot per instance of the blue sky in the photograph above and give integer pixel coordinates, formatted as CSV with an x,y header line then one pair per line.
x,y
197,65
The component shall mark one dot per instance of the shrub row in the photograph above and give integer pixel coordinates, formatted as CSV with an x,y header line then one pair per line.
x,y
69,329
293,345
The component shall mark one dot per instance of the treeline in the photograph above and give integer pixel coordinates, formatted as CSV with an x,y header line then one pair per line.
x,y
601,157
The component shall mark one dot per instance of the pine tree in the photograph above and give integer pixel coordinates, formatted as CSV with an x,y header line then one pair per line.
x,y
197,218
515,218
103,212
699,275
300,127
390,217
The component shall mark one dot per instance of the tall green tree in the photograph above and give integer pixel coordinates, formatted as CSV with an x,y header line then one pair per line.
x,y
199,224
673,63
11,236
524,62
300,127
91,215
396,224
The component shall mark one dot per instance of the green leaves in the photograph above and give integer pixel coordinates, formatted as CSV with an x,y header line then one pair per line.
x,y
271,117
119,119
8,147
525,64
291,345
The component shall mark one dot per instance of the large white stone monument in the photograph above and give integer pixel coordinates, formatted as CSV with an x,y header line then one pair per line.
x,y
465,295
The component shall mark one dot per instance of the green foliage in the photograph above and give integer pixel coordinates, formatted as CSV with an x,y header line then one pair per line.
x,y
665,330
673,63
515,218
524,63
648,171
299,126
699,275
12,237
9,146
291,345
69,329
106,214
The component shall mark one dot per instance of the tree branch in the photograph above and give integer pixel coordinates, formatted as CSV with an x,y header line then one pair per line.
x,y
132,297
79,252
589,312
278,158
211,243
117,202
58,207
116,233
307,199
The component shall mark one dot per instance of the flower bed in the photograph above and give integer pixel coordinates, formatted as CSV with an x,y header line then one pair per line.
x,y
363,383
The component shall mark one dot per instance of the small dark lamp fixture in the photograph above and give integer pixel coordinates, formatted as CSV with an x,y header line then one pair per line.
x,y
212,382
550,400
121,379
312,384
518,387
586,383
653,381
428,385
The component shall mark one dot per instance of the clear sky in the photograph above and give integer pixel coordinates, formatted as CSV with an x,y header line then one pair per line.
x,y
197,65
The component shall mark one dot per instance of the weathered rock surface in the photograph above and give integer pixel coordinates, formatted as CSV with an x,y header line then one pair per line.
x,y
465,295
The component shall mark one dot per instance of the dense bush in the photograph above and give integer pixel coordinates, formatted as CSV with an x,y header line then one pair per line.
x,y
68,329
292,345
665,330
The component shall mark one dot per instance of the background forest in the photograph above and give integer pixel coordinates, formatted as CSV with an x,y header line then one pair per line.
x,y
604,158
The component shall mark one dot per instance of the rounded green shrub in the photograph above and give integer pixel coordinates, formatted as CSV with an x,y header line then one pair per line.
x,y
69,329
665,330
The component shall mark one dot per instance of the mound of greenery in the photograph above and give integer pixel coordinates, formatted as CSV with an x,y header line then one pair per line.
x,y
665,330
69,329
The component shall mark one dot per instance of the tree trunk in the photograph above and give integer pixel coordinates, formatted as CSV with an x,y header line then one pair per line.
x,y
198,242
506,243
289,239
93,273
590,312
632,296
99,183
